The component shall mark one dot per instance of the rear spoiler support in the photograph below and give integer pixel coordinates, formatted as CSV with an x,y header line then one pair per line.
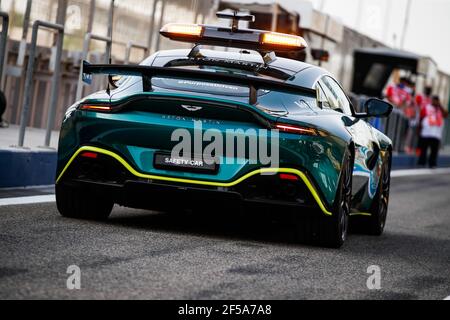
x,y
147,73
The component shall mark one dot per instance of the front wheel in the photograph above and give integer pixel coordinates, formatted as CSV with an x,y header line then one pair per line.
x,y
78,203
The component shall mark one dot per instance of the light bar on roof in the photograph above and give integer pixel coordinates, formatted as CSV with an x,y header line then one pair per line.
x,y
182,29
282,39
258,40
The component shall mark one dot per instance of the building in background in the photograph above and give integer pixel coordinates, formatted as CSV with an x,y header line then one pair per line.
x,y
135,21
331,44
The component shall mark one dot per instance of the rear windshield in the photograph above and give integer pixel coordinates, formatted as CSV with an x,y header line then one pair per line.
x,y
269,101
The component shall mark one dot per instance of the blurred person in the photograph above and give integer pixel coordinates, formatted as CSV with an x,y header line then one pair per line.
x,y
3,123
432,124
399,94
422,100
412,113
410,108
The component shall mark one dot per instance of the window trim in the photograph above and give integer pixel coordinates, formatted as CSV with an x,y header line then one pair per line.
x,y
320,92
352,108
321,85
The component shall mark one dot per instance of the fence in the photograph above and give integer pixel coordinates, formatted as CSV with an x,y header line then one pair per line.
x,y
131,19
42,81
446,136
398,128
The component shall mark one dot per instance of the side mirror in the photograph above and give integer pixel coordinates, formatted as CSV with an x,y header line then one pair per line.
x,y
376,108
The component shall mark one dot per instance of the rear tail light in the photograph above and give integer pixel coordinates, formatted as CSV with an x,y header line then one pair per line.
x,y
90,155
100,108
289,177
289,128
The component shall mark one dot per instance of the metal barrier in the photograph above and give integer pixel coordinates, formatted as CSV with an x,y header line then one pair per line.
x,y
396,126
54,87
3,40
447,132
29,76
87,41
130,46
160,24
152,28
17,51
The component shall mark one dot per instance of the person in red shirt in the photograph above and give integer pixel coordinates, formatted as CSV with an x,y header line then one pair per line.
x,y
423,100
399,95
432,119
411,111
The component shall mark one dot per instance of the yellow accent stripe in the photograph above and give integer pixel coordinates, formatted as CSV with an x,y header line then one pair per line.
x,y
361,214
199,182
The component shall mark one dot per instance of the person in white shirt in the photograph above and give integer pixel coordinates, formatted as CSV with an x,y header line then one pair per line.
x,y
432,118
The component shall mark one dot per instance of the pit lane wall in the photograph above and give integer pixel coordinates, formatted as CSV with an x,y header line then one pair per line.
x,y
24,168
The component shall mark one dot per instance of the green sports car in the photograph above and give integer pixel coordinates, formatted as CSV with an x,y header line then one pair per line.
x,y
192,129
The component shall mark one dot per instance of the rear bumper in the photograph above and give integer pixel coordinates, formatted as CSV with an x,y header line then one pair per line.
x,y
157,196
110,173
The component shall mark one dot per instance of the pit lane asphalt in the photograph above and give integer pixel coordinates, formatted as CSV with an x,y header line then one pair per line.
x,y
147,255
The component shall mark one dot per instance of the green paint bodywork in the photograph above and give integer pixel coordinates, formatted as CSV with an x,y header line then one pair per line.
x,y
136,135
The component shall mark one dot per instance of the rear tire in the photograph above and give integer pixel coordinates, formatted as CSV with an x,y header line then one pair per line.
x,y
81,203
377,220
330,231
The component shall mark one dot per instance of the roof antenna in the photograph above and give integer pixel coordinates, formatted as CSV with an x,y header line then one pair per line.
x,y
110,35
235,17
234,22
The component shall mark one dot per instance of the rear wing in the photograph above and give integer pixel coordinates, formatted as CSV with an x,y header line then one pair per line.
x,y
147,73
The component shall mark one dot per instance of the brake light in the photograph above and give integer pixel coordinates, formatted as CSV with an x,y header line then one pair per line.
x,y
91,155
96,108
296,129
290,177
283,40
182,29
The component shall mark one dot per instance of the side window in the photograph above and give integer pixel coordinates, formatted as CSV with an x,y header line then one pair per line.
x,y
336,97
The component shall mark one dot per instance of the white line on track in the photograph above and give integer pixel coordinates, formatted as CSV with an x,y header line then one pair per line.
x,y
48,186
448,298
27,200
419,172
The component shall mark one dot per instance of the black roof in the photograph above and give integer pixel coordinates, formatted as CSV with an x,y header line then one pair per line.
x,y
240,60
